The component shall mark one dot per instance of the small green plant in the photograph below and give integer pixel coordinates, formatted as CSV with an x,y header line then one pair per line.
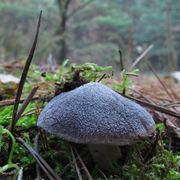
x,y
160,127
126,81
91,71
62,70
10,164
164,164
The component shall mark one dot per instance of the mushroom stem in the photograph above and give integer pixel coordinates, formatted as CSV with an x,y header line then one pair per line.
x,y
105,156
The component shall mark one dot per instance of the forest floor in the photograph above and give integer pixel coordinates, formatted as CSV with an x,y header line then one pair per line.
x,y
53,158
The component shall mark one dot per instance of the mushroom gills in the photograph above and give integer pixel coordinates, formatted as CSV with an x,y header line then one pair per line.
x,y
105,156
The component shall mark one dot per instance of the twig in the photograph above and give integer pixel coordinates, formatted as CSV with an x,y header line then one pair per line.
x,y
28,113
104,176
161,82
42,163
139,93
31,112
76,165
38,176
174,104
43,138
84,166
102,77
145,97
141,57
155,107
65,168
23,77
10,102
26,102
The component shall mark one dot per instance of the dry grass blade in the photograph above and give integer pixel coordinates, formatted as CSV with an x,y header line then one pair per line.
x,y
23,76
102,173
26,102
142,95
174,104
76,165
66,167
42,163
43,137
36,140
156,107
103,76
84,166
141,57
10,102
161,82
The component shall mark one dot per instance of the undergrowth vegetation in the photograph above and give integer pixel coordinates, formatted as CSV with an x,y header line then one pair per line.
x,y
146,160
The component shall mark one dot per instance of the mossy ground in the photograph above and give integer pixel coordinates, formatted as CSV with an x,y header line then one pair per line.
x,y
162,163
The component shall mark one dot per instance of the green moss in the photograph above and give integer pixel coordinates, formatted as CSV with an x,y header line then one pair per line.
x,y
163,165
24,122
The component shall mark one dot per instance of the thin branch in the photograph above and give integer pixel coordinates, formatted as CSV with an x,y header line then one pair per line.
x,y
155,107
102,77
174,104
65,168
161,82
76,165
43,137
141,57
23,76
84,166
26,102
102,173
10,102
36,142
42,163
145,97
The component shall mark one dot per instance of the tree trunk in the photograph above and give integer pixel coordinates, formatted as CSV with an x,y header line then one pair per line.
x,y
63,7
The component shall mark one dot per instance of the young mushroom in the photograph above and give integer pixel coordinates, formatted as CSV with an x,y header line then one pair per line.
x,y
95,115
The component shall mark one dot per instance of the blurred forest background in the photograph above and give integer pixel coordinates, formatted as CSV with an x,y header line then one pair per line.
x,y
92,31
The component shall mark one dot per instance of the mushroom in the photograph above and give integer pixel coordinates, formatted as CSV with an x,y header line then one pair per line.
x,y
95,115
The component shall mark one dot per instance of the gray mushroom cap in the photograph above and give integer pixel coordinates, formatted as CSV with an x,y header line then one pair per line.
x,y
95,114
